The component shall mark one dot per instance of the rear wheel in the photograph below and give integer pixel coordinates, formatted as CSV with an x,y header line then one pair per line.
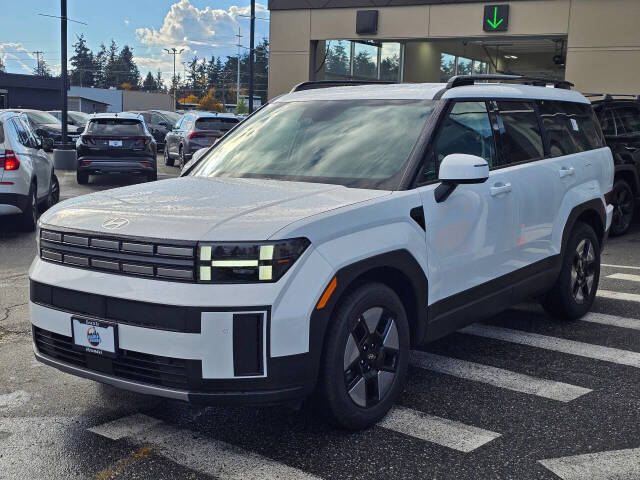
x,y
29,218
82,178
623,207
168,161
575,290
365,359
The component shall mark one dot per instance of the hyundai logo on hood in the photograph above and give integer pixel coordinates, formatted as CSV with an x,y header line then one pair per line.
x,y
113,223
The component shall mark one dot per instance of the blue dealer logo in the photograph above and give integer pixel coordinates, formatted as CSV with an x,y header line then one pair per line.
x,y
93,336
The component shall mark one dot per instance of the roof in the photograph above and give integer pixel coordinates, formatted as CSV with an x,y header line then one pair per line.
x,y
427,91
18,80
85,97
126,115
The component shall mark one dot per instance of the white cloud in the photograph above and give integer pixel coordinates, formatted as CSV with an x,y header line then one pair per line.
x,y
17,58
126,21
186,26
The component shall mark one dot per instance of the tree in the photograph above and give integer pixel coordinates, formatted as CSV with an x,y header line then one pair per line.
x,y
337,60
149,83
160,82
83,64
126,86
42,69
100,65
241,107
111,72
209,102
2,67
363,66
191,98
130,72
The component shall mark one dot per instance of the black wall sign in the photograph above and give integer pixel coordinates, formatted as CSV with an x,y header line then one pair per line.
x,y
496,18
366,22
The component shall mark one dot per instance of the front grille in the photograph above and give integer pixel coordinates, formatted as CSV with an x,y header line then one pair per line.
x,y
138,367
151,259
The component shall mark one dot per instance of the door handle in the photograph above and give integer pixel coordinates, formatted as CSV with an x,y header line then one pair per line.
x,y
500,188
565,172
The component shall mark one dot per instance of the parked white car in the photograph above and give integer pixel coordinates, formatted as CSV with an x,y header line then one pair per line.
x,y
28,183
307,251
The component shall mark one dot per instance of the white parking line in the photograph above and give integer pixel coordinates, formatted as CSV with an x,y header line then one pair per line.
x,y
604,319
205,455
498,377
598,352
613,465
620,266
625,276
447,433
628,297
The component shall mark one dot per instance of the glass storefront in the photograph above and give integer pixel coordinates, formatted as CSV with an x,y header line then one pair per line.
x,y
362,60
451,65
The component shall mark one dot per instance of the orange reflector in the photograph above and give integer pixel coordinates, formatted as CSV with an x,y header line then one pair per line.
x,y
327,293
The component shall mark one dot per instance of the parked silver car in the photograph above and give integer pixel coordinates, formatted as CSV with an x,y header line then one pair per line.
x,y
195,130
28,183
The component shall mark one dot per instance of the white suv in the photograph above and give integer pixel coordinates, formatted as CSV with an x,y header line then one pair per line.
x,y
309,249
27,179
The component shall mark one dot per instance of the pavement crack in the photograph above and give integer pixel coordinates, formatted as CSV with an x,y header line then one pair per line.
x,y
7,310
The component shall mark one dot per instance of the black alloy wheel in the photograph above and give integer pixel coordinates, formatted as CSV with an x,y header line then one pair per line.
x,y
623,202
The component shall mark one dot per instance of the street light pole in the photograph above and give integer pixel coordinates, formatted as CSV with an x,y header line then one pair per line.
x,y
63,69
252,53
174,51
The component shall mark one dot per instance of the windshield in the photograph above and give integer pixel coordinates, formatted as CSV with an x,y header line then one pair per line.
x,y
79,117
172,117
40,118
360,143
115,126
213,123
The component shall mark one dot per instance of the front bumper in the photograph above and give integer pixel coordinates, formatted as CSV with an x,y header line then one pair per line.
x,y
99,166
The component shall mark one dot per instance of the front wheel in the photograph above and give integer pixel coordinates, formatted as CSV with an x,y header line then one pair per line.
x,y
168,161
54,192
575,290
365,358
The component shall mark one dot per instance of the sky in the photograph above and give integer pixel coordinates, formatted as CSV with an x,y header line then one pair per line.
x,y
201,27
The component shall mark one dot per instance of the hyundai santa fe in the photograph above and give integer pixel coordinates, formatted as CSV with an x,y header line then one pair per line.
x,y
309,249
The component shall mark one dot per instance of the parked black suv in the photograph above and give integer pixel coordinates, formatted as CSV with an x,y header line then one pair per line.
x,y
159,123
116,143
620,121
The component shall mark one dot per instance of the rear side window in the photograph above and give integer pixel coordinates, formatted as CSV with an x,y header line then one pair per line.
x,y
518,134
21,130
571,127
215,123
629,117
1,133
115,126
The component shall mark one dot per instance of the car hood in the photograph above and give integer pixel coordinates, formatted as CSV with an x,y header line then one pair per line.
x,y
56,127
193,208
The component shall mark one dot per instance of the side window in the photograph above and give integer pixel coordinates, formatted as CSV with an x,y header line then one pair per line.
x,y
467,129
629,116
608,123
1,133
518,134
559,128
157,119
22,134
178,124
585,130
33,143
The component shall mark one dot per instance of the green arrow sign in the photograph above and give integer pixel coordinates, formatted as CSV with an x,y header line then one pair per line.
x,y
495,23
496,18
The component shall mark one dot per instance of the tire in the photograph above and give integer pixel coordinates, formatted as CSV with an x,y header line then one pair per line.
x,y
82,178
152,177
365,357
54,192
623,208
575,290
181,157
29,218
168,161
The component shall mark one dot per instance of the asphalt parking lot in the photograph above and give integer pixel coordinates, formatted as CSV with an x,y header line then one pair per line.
x,y
517,396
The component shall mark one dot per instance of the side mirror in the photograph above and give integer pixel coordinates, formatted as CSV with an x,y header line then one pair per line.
x,y
457,169
47,144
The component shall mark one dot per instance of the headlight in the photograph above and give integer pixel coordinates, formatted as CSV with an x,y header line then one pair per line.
x,y
248,262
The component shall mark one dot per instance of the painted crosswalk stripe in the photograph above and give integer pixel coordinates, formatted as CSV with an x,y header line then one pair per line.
x,y
612,320
498,377
628,297
613,465
444,432
191,450
598,352
625,276
628,267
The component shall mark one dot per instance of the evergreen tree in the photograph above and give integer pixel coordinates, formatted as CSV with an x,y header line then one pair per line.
x,y
42,69
160,82
337,60
2,67
192,75
149,83
212,73
82,63
100,65
201,78
130,73
112,75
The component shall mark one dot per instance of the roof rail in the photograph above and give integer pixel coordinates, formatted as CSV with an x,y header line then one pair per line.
x,y
465,80
609,96
335,83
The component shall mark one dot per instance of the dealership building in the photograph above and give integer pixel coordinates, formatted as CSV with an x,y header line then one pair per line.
x,y
594,44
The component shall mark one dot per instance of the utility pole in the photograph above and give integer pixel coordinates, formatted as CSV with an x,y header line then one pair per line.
x,y
238,82
63,69
252,53
173,51
37,54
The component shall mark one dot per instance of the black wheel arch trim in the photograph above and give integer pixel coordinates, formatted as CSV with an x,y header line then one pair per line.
x,y
348,277
595,205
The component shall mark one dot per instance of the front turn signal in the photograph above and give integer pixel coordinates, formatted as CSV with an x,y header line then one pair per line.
x,y
327,293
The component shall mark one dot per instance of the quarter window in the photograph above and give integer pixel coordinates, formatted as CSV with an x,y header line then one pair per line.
x,y
629,118
23,134
467,129
518,134
571,127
